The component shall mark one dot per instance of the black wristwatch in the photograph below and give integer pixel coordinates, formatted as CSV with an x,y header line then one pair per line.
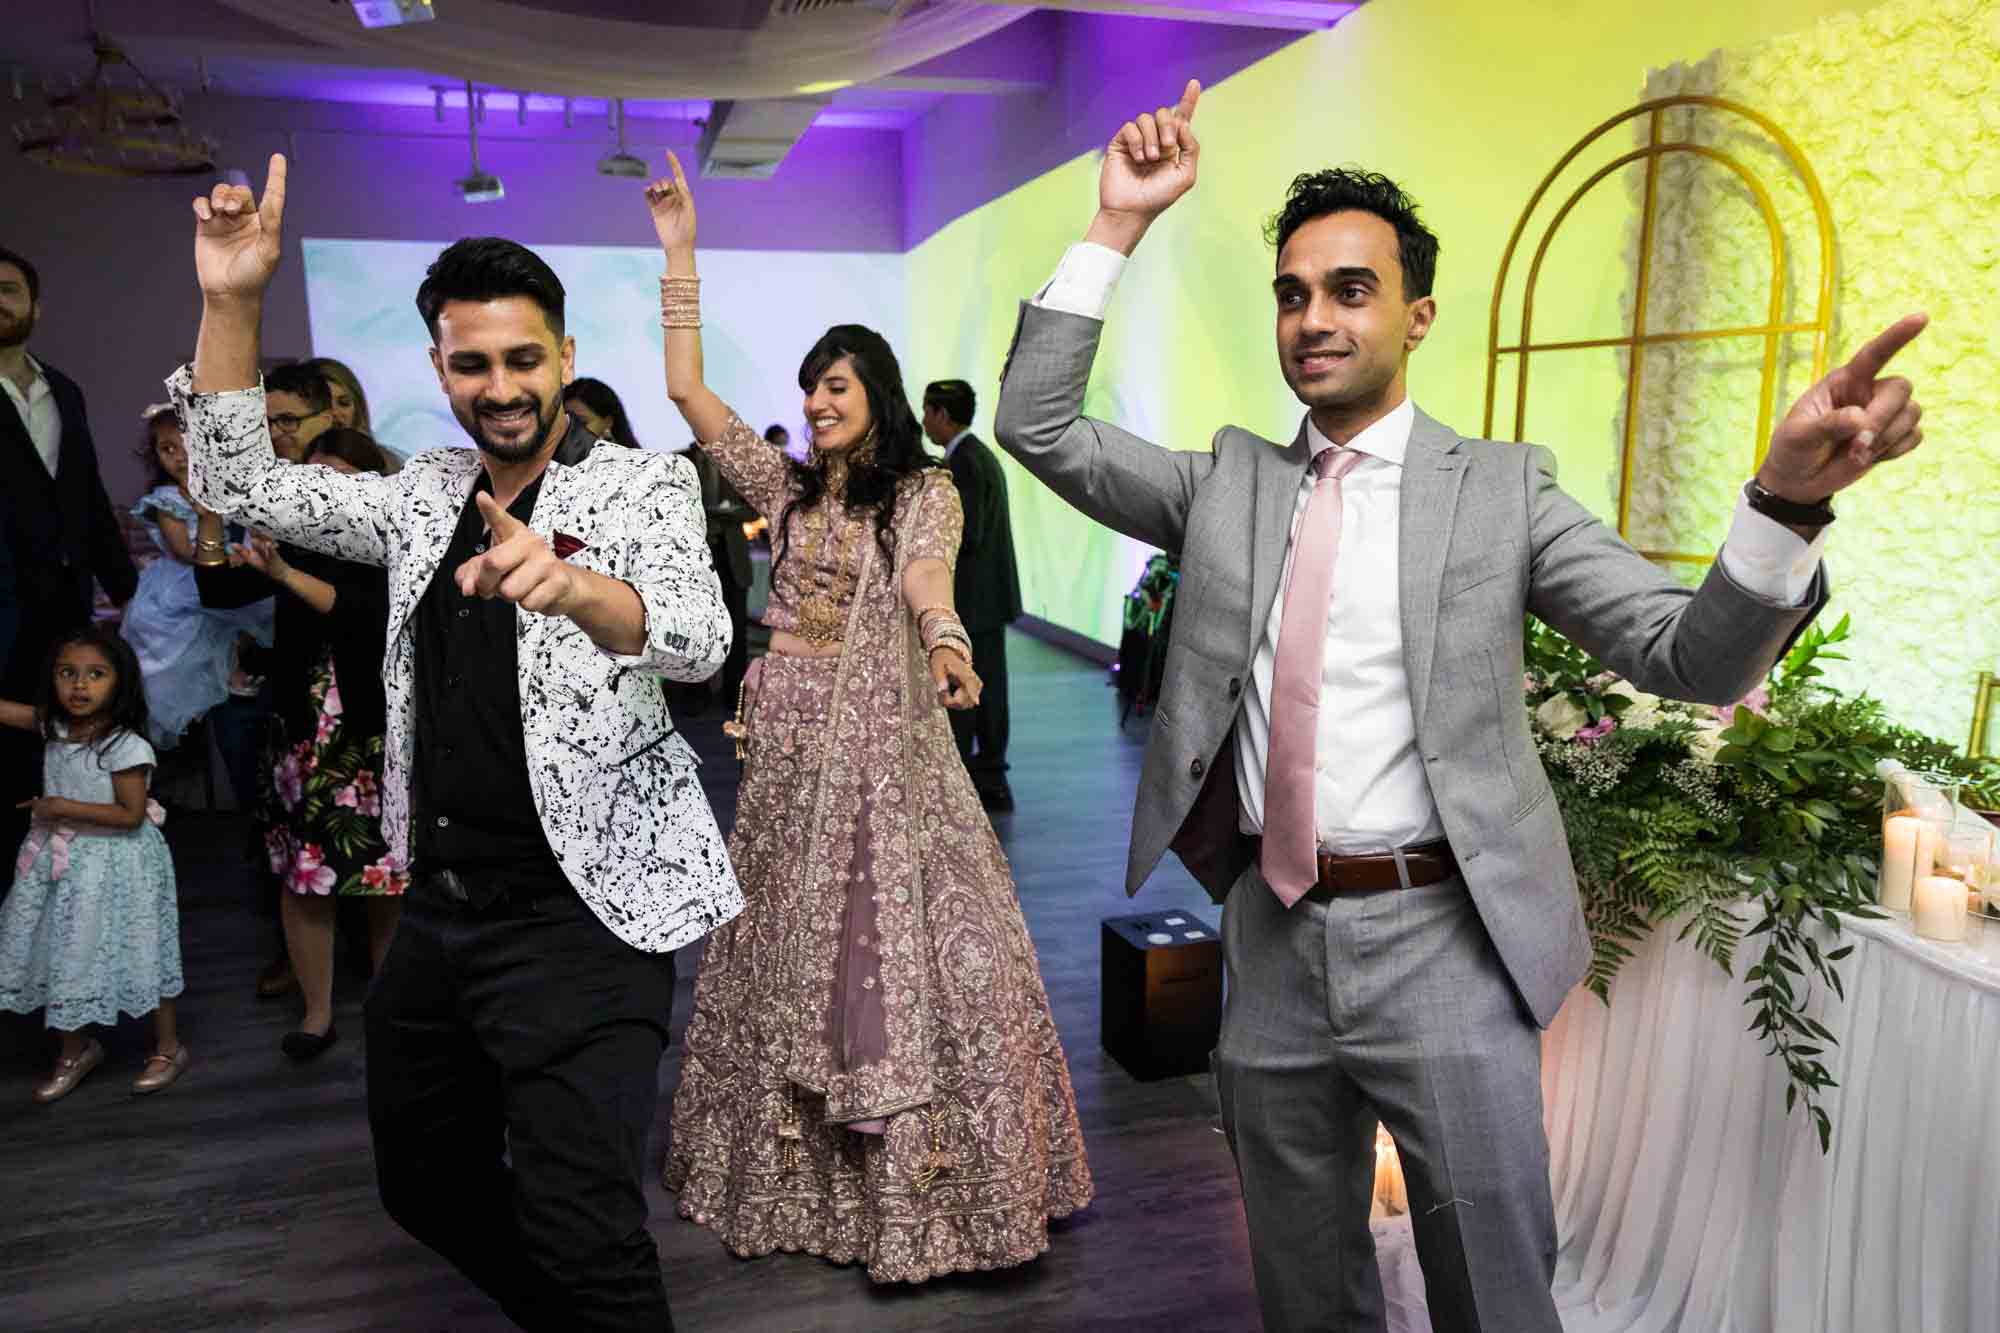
x,y
1772,505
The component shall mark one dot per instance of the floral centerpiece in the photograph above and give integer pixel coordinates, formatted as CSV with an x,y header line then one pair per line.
x,y
1682,815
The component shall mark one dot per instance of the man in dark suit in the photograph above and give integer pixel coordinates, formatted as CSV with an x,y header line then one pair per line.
x,y
59,523
987,587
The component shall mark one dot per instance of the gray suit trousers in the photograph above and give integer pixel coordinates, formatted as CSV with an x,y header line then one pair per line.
x,y
1390,1006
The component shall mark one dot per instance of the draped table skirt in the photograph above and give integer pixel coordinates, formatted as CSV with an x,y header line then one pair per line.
x,y
1687,1200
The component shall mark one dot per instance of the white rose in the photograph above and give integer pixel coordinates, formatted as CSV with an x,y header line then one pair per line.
x,y
1706,742
1643,711
1562,717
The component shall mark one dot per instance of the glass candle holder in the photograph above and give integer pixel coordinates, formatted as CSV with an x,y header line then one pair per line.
x,y
1968,852
1917,811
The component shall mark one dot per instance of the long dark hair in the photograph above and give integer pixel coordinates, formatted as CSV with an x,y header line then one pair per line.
x,y
602,399
897,451
127,709
355,447
148,451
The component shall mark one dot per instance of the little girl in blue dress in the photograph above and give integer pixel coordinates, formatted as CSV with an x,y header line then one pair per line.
x,y
185,649
91,928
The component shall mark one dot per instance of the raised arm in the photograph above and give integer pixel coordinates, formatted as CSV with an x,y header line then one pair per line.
x,y
756,468
21,717
1715,644
1109,474
232,468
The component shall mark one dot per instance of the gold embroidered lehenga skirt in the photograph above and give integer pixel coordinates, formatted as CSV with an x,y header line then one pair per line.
x,y
814,1006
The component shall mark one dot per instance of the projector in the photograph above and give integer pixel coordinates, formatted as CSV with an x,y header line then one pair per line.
x,y
481,187
622,164
392,13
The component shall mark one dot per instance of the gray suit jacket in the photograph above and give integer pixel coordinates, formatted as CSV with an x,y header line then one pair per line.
x,y
1487,535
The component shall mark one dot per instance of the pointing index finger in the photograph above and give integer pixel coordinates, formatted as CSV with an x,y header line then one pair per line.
x,y
272,209
1189,97
1876,352
499,522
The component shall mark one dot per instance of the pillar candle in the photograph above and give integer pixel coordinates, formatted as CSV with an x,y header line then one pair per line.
x,y
1909,848
1938,907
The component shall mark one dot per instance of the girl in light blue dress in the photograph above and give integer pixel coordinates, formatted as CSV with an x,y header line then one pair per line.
x,y
91,928
185,650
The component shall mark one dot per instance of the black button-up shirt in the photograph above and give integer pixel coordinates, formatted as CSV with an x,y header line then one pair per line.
x,y
472,810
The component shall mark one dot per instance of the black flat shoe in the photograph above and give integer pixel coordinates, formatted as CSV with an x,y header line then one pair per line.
x,y
305,1046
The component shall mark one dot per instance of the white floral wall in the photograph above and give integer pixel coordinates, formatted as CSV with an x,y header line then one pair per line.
x,y
1898,111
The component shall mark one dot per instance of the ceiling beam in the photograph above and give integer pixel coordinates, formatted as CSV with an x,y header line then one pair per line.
x,y
1285,15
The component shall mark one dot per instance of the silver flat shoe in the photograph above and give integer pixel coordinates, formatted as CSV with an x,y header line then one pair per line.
x,y
69,1073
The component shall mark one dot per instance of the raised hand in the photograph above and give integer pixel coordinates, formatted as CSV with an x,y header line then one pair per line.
x,y
517,566
237,238
1148,165
673,208
1847,423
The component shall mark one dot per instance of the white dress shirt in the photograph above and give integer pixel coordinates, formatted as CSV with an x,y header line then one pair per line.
x,y
39,414
1372,793
956,440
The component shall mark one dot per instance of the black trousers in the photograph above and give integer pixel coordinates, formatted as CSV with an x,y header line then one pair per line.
x,y
981,732
513,1073
735,596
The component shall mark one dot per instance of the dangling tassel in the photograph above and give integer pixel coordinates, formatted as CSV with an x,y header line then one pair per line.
x,y
937,1161
791,1130
737,728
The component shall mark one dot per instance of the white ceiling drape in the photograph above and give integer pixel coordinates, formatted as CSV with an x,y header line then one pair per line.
x,y
519,46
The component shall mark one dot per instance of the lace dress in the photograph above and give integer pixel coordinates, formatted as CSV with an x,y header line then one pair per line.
x,y
91,928
872,1073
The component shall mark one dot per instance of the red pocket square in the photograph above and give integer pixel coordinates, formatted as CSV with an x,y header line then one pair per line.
x,y
566,546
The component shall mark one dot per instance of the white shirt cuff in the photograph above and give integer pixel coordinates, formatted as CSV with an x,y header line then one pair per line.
x,y
1768,559
1084,281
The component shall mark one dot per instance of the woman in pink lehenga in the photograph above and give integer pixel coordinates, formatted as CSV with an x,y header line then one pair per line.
x,y
872,1073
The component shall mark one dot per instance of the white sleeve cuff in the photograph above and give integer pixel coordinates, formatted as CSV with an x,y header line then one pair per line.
x,y
1084,281
1767,558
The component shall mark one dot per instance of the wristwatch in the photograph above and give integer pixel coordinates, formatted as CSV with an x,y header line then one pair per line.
x,y
1772,505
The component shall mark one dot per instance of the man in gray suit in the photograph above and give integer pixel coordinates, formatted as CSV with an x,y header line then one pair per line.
x,y
1341,749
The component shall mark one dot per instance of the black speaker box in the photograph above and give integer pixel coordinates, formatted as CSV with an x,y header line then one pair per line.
x,y
1162,992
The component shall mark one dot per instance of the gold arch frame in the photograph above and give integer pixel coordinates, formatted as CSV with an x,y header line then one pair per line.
x,y
1983,694
1640,336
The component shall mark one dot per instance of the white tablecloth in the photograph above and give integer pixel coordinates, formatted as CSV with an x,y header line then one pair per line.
x,y
1687,1200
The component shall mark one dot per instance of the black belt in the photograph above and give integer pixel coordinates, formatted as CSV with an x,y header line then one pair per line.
x,y
1425,863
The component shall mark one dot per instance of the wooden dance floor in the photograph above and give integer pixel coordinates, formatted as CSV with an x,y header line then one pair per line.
x,y
244,1196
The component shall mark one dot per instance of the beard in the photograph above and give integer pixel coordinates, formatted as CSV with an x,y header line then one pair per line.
x,y
15,329
475,422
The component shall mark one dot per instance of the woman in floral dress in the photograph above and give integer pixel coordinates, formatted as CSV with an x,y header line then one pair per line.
x,y
872,1073
324,815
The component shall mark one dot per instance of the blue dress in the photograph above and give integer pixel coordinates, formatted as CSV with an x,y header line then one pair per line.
x,y
183,647
91,928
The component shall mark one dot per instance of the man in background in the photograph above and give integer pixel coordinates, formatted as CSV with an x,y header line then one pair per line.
x,y
298,407
987,585
61,529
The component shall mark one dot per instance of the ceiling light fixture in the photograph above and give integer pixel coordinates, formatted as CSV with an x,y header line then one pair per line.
x,y
114,124
393,13
620,162
481,187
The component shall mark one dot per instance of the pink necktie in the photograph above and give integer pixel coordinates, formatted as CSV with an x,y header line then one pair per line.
x,y
1291,827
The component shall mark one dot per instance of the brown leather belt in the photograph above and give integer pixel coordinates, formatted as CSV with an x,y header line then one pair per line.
x,y
1426,863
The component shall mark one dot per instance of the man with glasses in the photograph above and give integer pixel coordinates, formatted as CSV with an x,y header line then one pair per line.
x,y
299,407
